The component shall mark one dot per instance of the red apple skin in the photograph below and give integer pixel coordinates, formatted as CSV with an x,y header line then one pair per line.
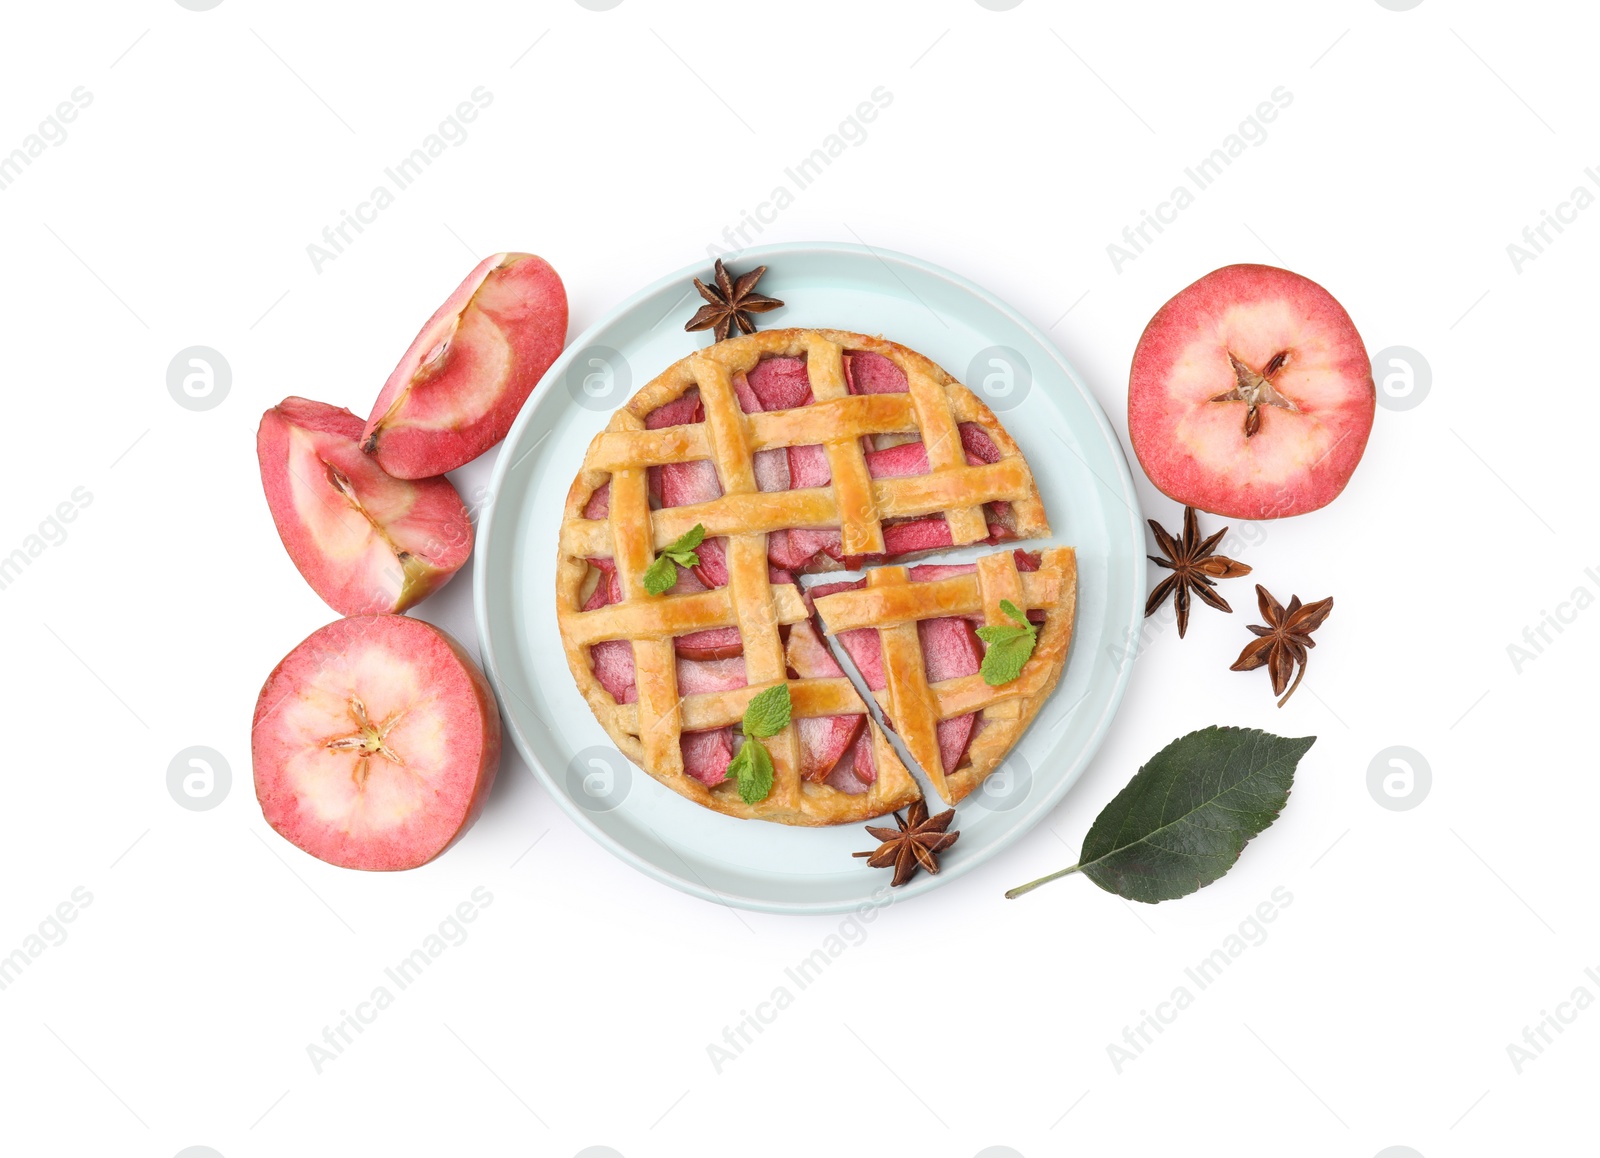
x,y
369,543
446,730
1195,450
467,373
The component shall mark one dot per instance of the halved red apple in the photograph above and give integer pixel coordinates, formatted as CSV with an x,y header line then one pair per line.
x,y
365,541
1251,395
375,743
467,374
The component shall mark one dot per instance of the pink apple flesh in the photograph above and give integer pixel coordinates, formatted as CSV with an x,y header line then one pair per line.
x,y
950,649
1251,395
824,740
712,570
612,660
706,755
468,372
375,743
712,643
868,373
366,542
697,677
778,384
855,773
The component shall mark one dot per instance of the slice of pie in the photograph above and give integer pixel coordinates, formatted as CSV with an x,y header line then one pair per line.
x,y
796,451
912,634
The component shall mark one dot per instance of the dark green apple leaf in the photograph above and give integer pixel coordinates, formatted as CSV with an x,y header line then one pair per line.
x,y
1184,818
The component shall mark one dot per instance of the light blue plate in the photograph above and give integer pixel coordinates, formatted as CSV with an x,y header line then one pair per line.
x,y
1081,474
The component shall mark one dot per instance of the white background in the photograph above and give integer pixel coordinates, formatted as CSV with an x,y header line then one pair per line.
x,y
1418,943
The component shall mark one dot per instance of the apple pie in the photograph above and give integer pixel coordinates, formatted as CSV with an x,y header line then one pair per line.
x,y
786,453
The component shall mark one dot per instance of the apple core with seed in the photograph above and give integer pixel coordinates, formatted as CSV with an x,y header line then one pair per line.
x,y
375,743
1251,395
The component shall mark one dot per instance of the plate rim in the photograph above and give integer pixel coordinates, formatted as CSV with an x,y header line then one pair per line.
x,y
486,533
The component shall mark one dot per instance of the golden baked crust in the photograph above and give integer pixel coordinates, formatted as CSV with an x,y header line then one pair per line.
x,y
892,603
648,731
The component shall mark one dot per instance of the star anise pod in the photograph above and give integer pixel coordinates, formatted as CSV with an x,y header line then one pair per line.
x,y
1282,643
913,844
1194,565
730,301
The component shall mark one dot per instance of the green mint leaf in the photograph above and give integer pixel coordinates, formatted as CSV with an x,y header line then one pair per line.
x,y
661,576
1185,817
1001,633
663,573
752,768
1002,661
738,766
768,713
686,542
1009,646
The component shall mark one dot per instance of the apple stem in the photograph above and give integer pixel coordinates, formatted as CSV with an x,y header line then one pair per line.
x,y
1013,894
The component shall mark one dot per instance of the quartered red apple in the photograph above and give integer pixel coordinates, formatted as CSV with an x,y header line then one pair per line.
x,y
375,743
467,374
365,542
1251,395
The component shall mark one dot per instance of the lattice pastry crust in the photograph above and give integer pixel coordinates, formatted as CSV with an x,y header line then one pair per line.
x,y
628,532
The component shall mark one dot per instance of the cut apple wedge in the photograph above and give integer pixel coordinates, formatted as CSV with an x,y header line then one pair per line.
x,y
467,374
375,743
365,541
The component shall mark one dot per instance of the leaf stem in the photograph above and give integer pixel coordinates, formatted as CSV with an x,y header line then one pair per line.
x,y
1013,894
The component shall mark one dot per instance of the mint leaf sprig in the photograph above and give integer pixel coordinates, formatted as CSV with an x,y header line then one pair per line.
x,y
1009,646
766,715
662,575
